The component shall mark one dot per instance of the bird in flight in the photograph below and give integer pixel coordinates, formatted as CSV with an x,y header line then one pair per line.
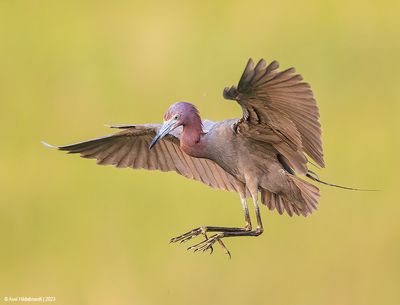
x,y
265,151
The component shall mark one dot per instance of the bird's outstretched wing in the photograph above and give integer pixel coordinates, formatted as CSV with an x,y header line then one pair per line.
x,y
279,108
130,148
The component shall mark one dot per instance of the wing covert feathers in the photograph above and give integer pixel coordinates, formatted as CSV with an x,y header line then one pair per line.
x,y
280,101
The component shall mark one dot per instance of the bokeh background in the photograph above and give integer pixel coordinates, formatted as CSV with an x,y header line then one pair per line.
x,y
97,235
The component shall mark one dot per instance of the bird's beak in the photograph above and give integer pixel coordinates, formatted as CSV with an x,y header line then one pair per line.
x,y
163,131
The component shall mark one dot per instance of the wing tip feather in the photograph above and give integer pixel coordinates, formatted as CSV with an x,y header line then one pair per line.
x,y
47,145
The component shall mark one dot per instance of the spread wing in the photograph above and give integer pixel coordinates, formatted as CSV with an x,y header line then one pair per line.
x,y
279,108
130,148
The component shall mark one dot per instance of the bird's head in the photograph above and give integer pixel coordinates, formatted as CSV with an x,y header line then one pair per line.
x,y
178,114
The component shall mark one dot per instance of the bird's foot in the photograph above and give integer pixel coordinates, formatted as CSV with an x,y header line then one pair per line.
x,y
208,243
189,235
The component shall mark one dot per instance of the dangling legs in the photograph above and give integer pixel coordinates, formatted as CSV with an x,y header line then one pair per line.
x,y
208,243
226,232
203,230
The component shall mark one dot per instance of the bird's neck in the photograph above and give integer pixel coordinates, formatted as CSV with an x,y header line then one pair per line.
x,y
191,140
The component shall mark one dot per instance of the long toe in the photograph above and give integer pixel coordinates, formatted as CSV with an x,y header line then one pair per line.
x,y
205,244
227,252
187,236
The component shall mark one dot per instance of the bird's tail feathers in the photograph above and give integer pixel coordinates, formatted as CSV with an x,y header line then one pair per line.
x,y
302,201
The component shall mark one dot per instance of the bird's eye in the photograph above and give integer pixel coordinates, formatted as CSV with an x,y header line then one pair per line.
x,y
176,117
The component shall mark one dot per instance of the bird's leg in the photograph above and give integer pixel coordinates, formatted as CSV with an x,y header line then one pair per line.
x,y
203,230
247,218
208,243
258,231
260,227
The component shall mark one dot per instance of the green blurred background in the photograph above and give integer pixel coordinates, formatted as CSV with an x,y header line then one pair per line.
x,y
97,235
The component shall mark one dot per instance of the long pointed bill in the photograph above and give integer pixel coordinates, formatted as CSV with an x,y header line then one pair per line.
x,y
162,132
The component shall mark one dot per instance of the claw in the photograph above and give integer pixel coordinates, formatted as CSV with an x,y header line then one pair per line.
x,y
211,247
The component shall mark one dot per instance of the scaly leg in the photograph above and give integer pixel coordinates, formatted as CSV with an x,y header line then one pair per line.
x,y
208,243
203,230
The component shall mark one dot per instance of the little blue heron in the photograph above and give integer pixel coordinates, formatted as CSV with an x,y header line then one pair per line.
x,y
262,152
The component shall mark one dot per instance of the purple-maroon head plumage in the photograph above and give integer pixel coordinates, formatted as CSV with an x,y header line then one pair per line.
x,y
181,114
187,114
